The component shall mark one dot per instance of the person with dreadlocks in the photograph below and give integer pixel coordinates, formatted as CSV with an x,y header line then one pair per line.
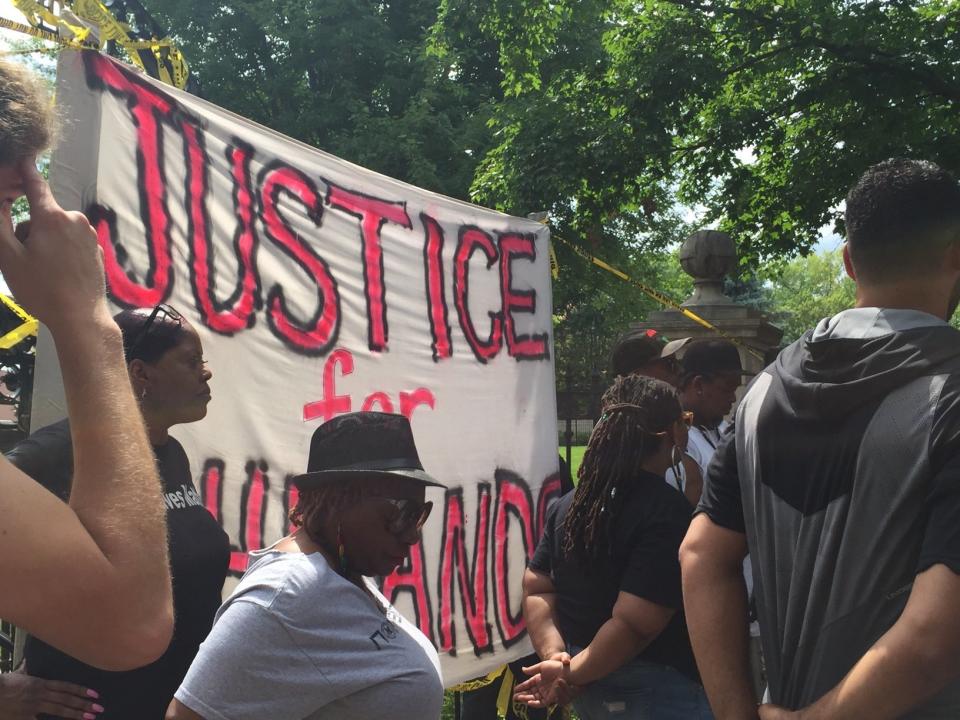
x,y
604,582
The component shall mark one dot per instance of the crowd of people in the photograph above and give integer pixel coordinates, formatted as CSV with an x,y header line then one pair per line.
x,y
799,561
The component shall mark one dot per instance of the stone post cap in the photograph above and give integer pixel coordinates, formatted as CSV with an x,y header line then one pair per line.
x,y
708,256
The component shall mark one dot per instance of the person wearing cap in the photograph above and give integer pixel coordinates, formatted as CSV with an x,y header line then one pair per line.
x,y
711,374
307,634
648,353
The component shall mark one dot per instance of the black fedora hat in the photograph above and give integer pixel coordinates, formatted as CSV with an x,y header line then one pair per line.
x,y
363,444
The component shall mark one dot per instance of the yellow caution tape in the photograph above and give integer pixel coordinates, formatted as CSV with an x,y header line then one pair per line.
x,y
163,55
37,33
658,296
21,332
554,263
97,13
506,692
36,13
480,682
172,67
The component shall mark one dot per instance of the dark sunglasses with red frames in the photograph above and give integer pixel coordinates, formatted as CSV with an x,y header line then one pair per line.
x,y
405,514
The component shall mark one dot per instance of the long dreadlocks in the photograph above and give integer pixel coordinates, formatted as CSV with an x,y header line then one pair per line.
x,y
635,408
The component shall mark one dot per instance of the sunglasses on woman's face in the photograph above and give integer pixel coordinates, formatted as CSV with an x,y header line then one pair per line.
x,y
686,417
406,514
165,313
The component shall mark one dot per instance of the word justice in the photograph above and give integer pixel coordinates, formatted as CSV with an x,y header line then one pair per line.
x,y
257,208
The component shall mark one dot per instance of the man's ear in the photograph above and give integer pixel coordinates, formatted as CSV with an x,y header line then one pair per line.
x,y
696,384
848,263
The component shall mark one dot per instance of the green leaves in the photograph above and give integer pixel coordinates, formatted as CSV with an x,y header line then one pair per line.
x,y
762,114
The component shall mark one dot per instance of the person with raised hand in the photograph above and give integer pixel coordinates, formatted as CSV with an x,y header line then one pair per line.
x,y
84,576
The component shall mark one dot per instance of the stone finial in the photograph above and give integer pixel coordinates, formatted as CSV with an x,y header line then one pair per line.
x,y
708,256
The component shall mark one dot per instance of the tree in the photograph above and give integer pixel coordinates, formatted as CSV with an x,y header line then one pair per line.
x,y
388,86
352,77
763,113
809,289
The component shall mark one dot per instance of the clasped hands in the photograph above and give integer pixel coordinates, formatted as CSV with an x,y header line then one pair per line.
x,y
548,684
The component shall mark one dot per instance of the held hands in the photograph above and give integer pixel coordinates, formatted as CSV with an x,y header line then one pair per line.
x,y
548,684
52,262
23,698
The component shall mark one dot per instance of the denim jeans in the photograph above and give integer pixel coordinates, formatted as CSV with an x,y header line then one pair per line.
x,y
643,690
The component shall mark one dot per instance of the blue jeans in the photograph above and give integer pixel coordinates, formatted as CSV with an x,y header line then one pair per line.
x,y
643,690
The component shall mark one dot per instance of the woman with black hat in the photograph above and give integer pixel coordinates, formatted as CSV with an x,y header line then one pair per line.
x,y
170,379
307,635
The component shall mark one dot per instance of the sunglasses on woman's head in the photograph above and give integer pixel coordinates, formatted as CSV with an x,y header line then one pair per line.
x,y
164,312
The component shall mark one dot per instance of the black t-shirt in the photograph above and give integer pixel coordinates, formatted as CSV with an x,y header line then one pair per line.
x,y
199,559
649,527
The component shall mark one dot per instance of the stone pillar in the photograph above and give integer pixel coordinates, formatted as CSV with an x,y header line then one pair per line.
x,y
708,256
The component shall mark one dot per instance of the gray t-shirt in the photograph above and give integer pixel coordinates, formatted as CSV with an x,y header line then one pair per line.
x,y
296,641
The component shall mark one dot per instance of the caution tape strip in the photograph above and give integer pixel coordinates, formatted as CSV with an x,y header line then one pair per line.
x,y
658,296
37,13
479,682
21,332
171,67
40,34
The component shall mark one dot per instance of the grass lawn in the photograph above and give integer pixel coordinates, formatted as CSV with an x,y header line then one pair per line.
x,y
576,457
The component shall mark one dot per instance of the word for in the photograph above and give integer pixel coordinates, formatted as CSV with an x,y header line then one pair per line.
x,y
332,404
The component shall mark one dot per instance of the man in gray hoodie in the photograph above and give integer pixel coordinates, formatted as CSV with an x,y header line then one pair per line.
x,y
842,478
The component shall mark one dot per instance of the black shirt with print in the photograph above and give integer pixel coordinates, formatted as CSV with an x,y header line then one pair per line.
x,y
199,558
648,528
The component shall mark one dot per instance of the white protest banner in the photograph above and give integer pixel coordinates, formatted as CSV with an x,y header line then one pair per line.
x,y
319,288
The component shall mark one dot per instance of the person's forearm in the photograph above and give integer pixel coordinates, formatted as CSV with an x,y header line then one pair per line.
x,y
116,491
715,601
614,644
904,667
540,614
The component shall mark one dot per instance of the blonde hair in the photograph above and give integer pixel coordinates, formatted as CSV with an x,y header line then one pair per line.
x,y
27,120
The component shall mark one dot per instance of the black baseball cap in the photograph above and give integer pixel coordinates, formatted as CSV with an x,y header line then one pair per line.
x,y
640,347
708,357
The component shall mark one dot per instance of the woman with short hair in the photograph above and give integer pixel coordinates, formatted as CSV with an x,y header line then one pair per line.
x,y
307,635
602,594
170,379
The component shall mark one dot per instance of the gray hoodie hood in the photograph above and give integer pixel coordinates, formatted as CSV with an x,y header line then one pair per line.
x,y
860,354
